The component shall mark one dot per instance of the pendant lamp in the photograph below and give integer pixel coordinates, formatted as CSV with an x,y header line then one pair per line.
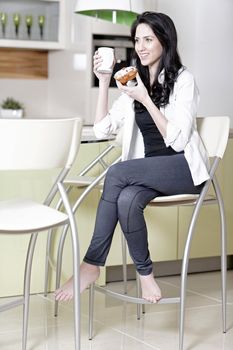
x,y
116,11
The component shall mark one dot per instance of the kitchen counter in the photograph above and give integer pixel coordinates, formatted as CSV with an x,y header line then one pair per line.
x,y
87,132
88,136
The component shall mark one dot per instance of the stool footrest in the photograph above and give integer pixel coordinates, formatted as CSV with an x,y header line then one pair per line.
x,y
11,304
135,300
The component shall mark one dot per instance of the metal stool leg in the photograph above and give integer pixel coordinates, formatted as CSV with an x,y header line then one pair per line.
x,y
138,292
182,302
91,309
47,265
124,261
76,267
185,261
59,264
48,250
224,278
27,280
77,312
223,253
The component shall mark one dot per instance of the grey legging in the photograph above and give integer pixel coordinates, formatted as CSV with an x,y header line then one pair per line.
x,y
129,186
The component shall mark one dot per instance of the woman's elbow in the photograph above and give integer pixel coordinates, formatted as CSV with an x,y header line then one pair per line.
x,y
99,134
178,146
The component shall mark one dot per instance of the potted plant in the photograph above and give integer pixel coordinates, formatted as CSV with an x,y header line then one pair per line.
x,y
10,108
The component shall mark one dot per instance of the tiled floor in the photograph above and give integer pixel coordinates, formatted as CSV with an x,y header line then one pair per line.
x,y
116,326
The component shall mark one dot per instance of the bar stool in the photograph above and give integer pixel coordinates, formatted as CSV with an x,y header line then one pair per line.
x,y
40,144
214,132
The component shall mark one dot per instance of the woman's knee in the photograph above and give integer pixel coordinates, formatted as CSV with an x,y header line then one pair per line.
x,y
113,172
113,184
135,197
128,199
115,176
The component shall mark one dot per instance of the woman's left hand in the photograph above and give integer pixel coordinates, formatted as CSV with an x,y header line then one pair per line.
x,y
137,92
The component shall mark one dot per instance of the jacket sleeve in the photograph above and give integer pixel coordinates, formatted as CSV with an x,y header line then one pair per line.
x,y
114,120
182,117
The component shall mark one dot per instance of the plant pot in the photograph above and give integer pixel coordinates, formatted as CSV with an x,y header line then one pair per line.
x,y
11,113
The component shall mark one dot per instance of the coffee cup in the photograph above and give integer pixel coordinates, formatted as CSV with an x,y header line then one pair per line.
x,y
107,55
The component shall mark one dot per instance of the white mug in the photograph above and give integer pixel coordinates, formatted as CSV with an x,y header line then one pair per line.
x,y
107,54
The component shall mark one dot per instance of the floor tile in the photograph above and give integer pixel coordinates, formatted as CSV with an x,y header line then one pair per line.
x,y
115,323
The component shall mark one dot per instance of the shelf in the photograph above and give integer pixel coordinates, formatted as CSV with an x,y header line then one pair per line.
x,y
18,63
43,45
48,37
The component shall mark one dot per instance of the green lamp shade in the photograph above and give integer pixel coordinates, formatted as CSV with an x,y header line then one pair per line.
x,y
122,17
116,11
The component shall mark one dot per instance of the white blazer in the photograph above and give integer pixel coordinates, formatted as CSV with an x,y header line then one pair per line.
x,y
182,134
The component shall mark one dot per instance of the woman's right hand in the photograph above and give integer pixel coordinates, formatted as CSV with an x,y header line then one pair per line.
x,y
97,60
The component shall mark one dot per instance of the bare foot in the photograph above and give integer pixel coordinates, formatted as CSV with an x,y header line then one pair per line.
x,y
65,292
88,274
150,289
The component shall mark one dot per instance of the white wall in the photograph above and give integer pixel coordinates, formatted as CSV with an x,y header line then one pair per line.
x,y
32,93
67,91
70,89
205,30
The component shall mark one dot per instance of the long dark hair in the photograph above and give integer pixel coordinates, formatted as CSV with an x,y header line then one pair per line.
x,y
165,31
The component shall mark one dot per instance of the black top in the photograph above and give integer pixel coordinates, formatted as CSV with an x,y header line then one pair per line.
x,y
153,140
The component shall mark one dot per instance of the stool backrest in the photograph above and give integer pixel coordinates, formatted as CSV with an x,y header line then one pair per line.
x,y
214,132
39,143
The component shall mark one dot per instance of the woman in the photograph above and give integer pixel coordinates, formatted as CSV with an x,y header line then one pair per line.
x,y
161,149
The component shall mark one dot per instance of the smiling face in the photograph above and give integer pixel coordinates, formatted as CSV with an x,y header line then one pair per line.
x,y
147,47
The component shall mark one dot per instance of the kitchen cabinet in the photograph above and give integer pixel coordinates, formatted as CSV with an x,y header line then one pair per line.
x,y
32,24
167,227
228,192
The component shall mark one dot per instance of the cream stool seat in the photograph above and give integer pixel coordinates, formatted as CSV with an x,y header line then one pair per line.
x,y
179,199
29,216
83,181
